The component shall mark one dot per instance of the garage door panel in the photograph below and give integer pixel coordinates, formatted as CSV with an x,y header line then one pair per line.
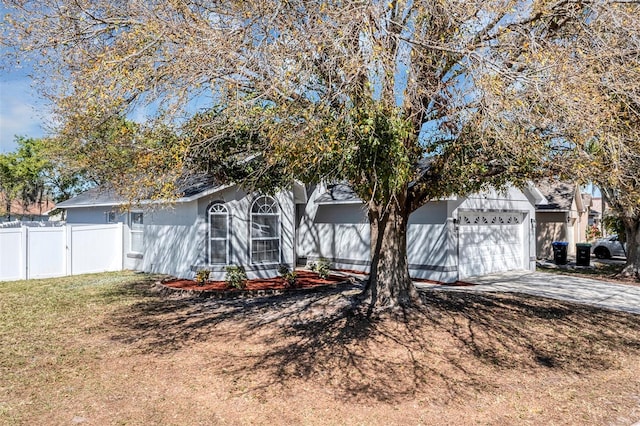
x,y
489,242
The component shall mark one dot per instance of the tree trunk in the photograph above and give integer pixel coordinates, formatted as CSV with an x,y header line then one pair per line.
x,y
632,231
389,282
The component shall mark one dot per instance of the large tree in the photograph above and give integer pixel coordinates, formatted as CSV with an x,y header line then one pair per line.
x,y
33,173
403,100
587,104
598,100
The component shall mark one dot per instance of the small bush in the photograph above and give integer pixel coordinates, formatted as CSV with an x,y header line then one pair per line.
x,y
236,276
288,275
593,233
202,276
323,267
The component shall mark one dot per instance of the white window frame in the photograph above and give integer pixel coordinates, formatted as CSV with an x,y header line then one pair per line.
x,y
266,206
133,231
221,210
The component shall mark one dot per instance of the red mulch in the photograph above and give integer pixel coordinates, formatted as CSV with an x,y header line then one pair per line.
x,y
304,279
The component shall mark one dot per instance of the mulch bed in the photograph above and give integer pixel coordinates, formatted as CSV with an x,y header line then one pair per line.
x,y
305,280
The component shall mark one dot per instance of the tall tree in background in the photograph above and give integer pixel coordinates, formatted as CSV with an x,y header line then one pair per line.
x,y
406,101
22,176
33,175
9,183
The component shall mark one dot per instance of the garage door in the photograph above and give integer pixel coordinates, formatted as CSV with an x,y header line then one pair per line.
x,y
489,242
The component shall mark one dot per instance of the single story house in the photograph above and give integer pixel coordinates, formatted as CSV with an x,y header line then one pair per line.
x,y
212,226
564,217
448,240
209,227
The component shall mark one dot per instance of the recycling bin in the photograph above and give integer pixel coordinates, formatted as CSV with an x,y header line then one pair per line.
x,y
583,254
560,252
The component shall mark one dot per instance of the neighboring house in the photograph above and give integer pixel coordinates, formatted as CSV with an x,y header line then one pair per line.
x,y
213,226
210,226
596,213
448,240
565,217
33,212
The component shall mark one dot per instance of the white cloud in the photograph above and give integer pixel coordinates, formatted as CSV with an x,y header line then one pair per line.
x,y
21,112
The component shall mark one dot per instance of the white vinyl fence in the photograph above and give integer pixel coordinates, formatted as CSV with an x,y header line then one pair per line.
x,y
44,252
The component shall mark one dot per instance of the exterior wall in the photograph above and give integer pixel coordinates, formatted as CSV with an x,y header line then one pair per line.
x,y
340,233
337,232
580,224
93,215
175,236
569,226
239,204
171,240
431,243
550,227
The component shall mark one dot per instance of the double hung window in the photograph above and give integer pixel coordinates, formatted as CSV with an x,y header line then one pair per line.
x,y
136,226
265,231
218,234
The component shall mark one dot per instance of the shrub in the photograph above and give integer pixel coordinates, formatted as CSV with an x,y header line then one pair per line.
x,y
323,267
202,276
288,275
236,276
593,233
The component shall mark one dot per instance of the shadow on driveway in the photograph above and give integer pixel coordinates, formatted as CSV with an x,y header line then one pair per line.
x,y
586,291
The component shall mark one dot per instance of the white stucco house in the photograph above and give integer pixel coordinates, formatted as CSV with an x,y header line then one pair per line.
x,y
210,226
213,226
448,240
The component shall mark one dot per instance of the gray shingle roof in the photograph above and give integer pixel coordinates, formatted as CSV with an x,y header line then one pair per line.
x,y
342,193
559,195
189,186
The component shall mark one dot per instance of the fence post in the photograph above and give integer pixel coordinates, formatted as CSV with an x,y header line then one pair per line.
x,y
24,256
121,244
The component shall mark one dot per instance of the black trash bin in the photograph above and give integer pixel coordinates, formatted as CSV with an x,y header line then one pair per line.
x,y
560,252
583,254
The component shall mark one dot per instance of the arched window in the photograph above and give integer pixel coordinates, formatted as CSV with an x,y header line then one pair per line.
x,y
265,231
218,234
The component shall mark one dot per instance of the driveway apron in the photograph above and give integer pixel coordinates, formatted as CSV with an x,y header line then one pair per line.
x,y
619,297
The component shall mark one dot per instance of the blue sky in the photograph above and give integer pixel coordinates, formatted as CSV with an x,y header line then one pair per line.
x,y
22,111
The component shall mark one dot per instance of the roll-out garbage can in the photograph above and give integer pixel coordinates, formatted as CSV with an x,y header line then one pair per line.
x,y
583,254
560,252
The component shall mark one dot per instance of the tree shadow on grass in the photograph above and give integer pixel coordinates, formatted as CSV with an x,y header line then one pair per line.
x,y
451,347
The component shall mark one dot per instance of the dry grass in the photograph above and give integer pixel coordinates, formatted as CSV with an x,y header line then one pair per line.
x,y
105,349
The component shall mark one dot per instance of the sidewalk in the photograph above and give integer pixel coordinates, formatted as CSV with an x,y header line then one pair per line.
x,y
619,297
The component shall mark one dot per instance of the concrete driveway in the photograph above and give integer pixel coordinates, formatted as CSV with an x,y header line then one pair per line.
x,y
586,291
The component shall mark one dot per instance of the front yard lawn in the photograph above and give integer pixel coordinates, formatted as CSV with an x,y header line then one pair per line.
x,y
106,349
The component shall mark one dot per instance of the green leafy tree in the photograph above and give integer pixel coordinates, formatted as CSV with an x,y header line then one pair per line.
x,y
406,101
33,173
22,175
9,183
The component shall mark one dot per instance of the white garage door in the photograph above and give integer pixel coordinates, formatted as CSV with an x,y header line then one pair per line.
x,y
489,242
